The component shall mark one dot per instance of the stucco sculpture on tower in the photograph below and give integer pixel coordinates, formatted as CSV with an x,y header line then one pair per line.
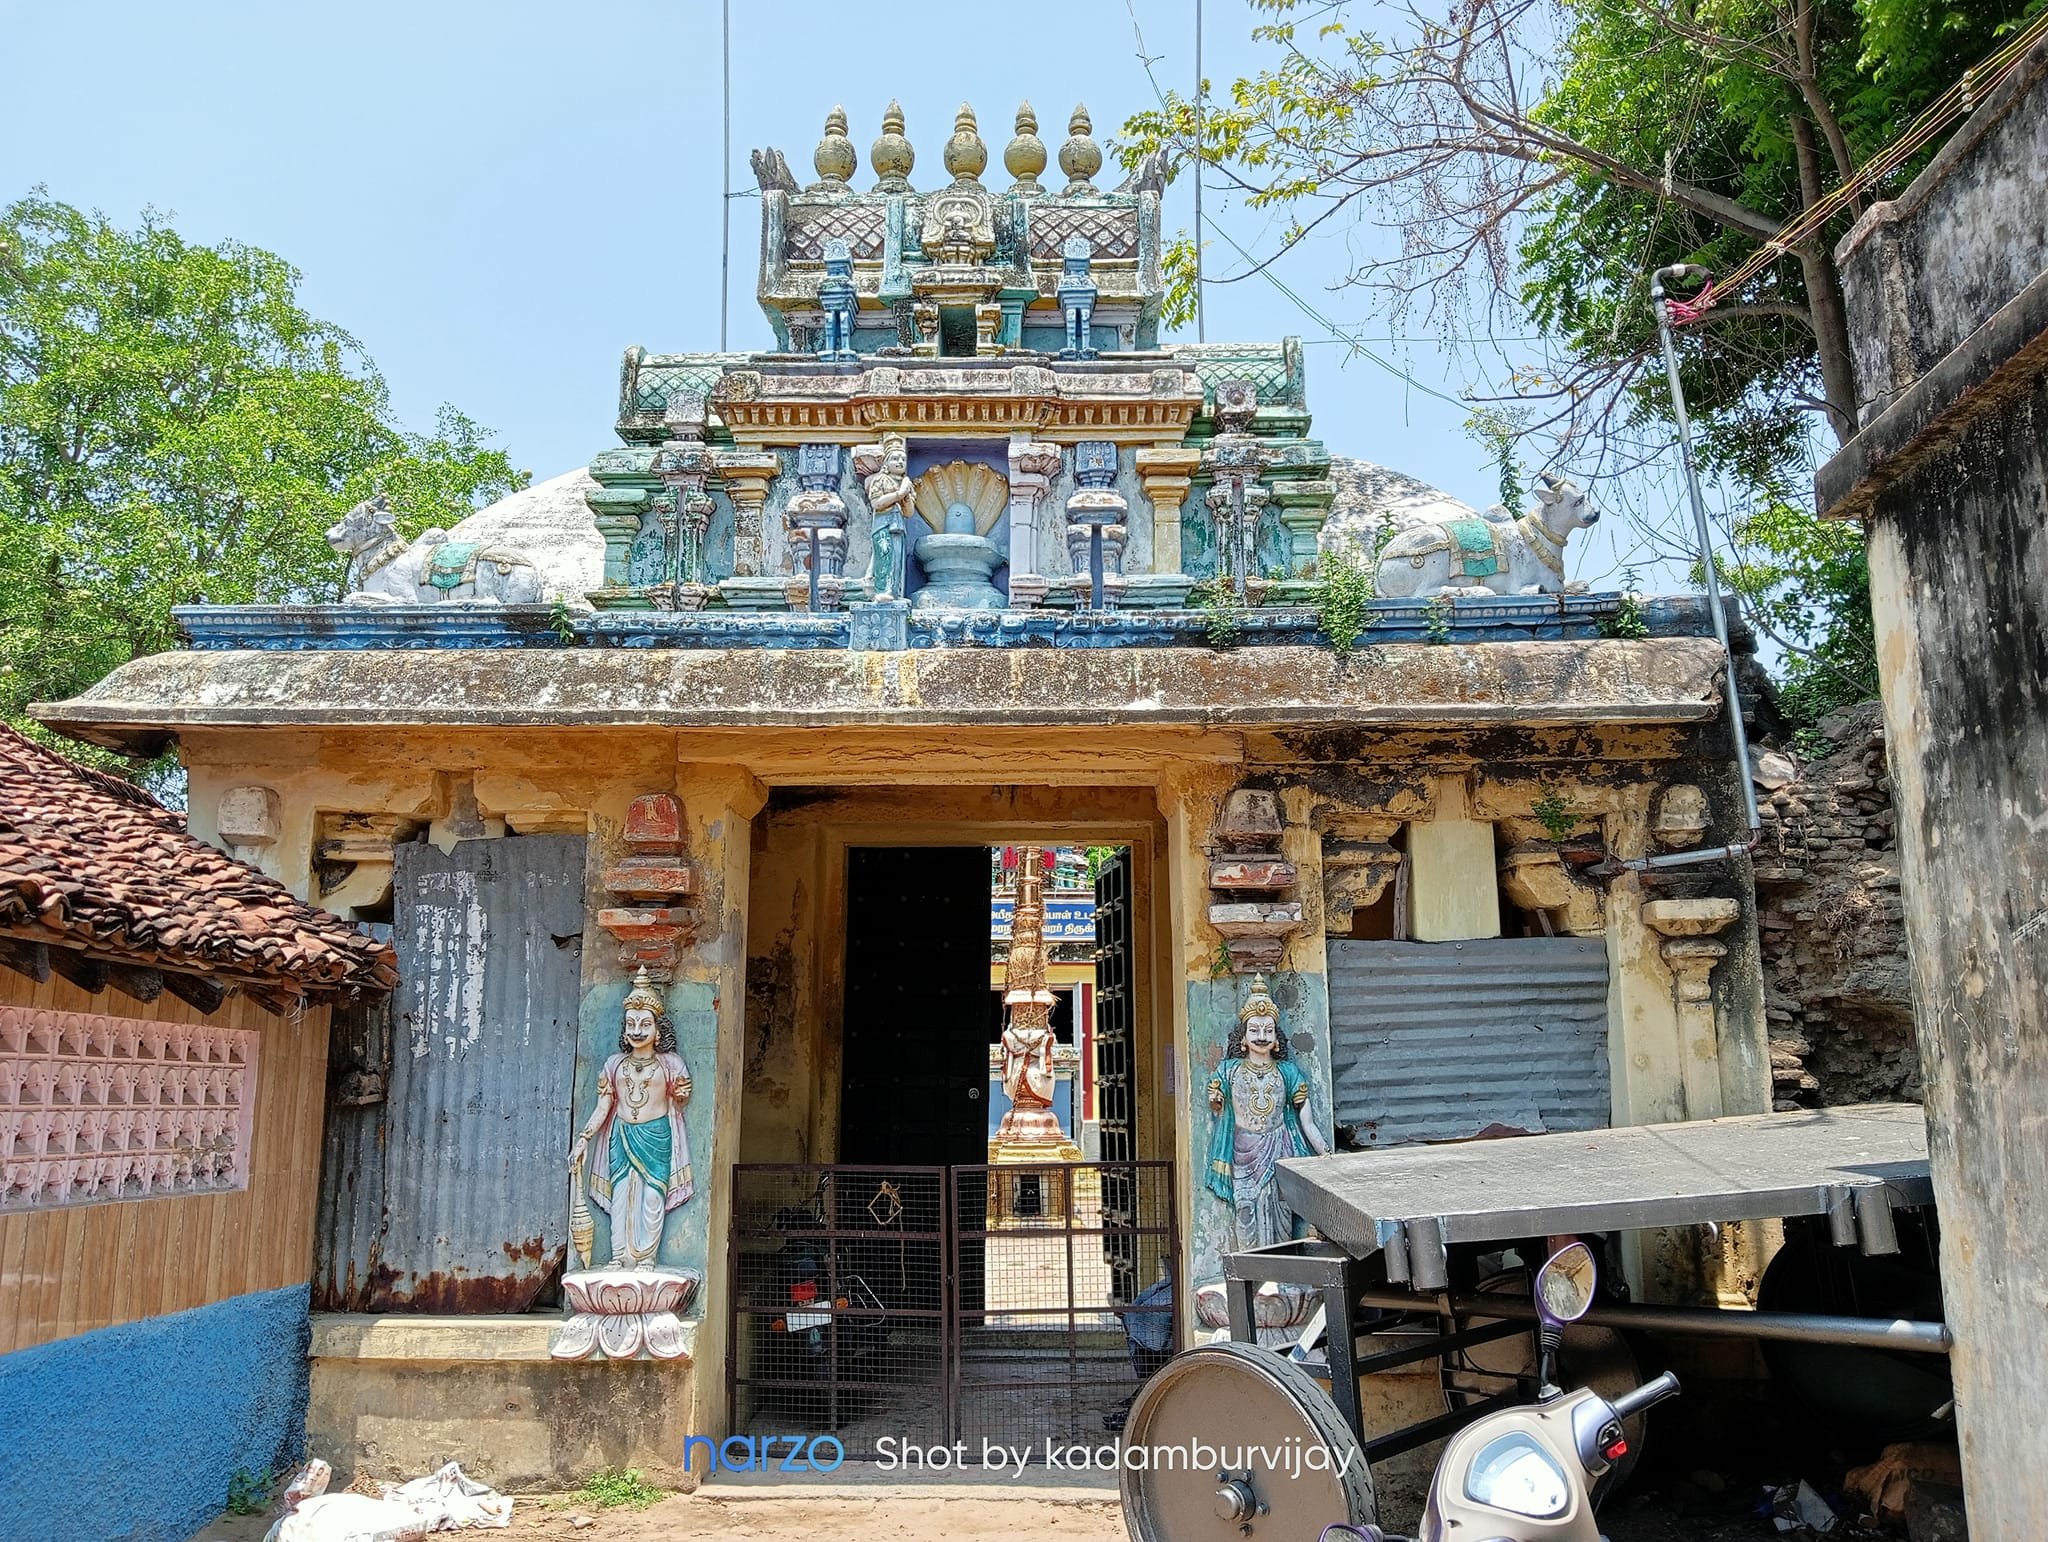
x,y
884,471
384,568
1077,296
1489,556
1261,1102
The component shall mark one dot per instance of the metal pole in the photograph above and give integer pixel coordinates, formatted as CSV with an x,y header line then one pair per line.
x,y
1700,1322
1201,310
725,200
1662,307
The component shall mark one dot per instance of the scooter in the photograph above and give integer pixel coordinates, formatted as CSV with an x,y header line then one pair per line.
x,y
1526,1474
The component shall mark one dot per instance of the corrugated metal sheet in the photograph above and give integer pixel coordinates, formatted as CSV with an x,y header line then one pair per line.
x,y
450,1193
1439,1041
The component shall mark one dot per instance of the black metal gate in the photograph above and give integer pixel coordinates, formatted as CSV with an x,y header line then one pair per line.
x,y
922,1306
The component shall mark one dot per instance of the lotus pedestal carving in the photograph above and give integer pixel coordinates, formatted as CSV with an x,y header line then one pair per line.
x,y
625,1314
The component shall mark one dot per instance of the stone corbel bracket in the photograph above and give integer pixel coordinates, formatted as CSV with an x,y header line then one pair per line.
x,y
1359,863
1253,889
358,853
1690,948
659,883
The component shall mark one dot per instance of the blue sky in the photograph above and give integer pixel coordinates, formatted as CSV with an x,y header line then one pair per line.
x,y
497,199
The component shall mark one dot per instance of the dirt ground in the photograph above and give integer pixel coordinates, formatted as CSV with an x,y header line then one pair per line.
x,y
890,1518
944,1516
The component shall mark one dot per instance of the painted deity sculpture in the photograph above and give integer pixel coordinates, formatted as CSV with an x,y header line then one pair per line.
x,y
1260,1100
638,1159
641,1169
890,494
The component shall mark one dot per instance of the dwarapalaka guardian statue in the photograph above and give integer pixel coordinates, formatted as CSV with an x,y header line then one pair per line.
x,y
636,1154
1260,1100
643,1154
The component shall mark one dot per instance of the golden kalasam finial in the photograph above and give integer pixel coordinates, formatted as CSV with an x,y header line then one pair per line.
x,y
1024,158
891,155
965,155
1080,156
834,158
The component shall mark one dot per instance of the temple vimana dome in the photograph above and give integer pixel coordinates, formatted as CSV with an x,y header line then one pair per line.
x,y
973,776
863,281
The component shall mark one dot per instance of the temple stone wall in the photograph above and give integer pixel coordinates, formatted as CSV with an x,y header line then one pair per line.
x,y
1832,926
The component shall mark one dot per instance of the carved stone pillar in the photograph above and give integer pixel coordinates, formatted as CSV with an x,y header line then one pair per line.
x,y
747,476
1033,466
1097,525
1690,951
1165,477
1234,463
684,464
817,525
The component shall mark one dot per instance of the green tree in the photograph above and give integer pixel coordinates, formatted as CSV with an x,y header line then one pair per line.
x,y
174,428
1534,161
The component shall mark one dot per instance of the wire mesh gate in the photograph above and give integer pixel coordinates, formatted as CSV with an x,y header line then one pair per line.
x,y
930,1305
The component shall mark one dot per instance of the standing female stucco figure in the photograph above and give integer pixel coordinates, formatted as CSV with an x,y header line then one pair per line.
x,y
643,1155
1260,1100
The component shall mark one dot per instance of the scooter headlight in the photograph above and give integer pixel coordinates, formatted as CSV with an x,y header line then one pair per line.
x,y
1516,1474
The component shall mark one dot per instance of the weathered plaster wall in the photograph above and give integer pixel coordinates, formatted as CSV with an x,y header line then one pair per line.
x,y
1950,475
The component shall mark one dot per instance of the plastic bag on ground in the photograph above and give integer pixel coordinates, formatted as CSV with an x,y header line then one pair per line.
x,y
447,1500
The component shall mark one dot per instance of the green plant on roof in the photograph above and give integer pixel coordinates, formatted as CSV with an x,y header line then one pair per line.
x,y
1631,618
1436,619
1558,816
1223,619
1344,607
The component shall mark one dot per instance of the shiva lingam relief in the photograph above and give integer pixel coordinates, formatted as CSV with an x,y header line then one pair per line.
x,y
631,1160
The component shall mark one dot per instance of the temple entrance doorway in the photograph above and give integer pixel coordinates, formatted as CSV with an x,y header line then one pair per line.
x,y
915,1083
983,1261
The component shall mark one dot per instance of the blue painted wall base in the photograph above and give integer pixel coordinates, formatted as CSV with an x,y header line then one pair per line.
x,y
130,1434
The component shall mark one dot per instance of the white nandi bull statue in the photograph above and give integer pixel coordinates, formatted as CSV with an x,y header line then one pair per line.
x,y
1488,556
386,569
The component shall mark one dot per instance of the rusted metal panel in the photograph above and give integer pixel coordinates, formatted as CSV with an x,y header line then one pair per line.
x,y
448,1194
1444,1041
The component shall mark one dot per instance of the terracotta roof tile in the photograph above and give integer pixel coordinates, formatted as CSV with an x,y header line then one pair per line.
x,y
96,859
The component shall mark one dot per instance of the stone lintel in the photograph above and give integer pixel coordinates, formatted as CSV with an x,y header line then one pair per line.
x,y
143,704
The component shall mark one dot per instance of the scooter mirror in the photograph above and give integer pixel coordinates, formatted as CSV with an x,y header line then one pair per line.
x,y
1564,1285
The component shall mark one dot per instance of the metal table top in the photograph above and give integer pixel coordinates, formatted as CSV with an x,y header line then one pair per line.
x,y
1852,1164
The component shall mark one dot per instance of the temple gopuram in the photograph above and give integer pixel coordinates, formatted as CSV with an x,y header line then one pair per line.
x,y
675,781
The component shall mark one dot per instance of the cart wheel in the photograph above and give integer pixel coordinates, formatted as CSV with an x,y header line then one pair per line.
x,y
1226,1397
